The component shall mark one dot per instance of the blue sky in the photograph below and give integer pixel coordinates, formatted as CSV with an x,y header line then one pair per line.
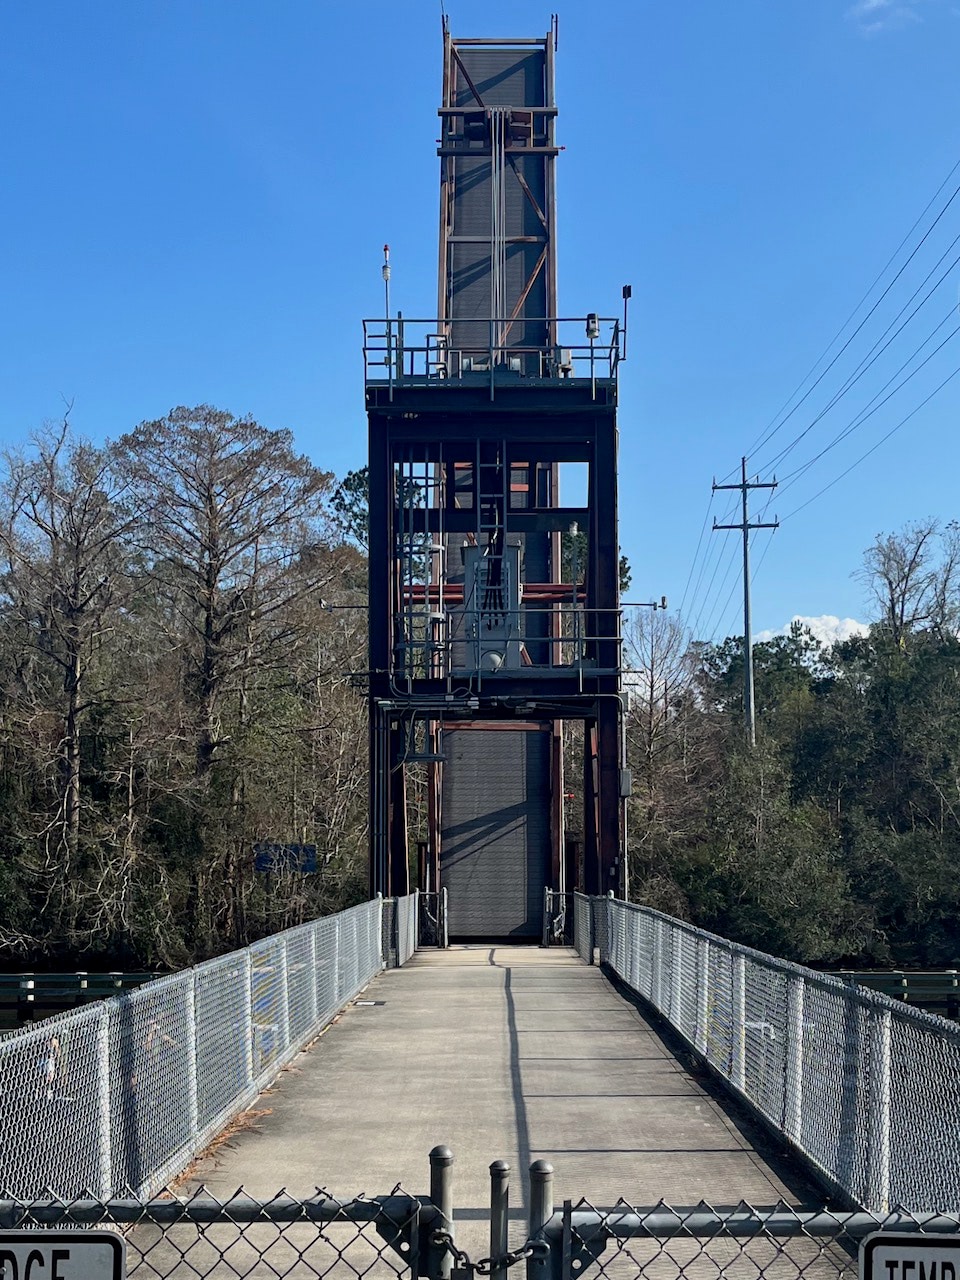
x,y
196,194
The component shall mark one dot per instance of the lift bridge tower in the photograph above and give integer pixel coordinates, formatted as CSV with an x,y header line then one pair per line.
x,y
494,694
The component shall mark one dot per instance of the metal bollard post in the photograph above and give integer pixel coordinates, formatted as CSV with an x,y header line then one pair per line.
x,y
541,1211
499,1215
441,1195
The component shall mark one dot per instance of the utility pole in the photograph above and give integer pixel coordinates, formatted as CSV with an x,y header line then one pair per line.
x,y
745,526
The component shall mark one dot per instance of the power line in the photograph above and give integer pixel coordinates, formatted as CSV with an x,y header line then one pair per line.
x,y
713,615
875,447
868,412
706,596
693,562
873,354
769,434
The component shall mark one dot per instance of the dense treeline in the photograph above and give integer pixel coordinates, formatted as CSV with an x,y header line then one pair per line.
x,y
174,686
182,614
838,837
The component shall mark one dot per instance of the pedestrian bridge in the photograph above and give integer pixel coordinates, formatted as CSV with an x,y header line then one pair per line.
x,y
645,1060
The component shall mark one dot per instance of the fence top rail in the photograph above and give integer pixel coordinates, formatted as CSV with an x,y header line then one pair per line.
x,y
624,1222
863,996
61,1023
204,1208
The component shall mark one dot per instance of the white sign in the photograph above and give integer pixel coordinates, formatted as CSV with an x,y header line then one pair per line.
x,y
892,1255
61,1255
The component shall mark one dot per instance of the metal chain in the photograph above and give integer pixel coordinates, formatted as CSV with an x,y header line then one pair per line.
x,y
487,1266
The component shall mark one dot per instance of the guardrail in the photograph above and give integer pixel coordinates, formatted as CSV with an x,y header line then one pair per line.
x,y
939,988
30,993
866,1089
119,1096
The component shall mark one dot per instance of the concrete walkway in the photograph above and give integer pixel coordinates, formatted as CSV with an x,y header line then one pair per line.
x,y
501,1053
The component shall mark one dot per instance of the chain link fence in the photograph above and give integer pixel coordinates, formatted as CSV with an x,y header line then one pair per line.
x,y
703,1243
867,1089
398,1235
119,1096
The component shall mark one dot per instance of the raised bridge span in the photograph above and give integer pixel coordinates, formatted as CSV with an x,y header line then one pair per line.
x,y
781,1114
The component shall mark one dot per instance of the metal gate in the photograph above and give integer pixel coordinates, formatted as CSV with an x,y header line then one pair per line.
x,y
402,1235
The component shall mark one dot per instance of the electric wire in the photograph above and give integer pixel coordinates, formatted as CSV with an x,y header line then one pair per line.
x,y
873,354
871,408
717,558
729,557
693,562
769,434
867,411
874,447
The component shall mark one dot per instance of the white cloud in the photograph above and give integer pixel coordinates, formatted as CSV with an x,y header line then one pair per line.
x,y
828,628
873,16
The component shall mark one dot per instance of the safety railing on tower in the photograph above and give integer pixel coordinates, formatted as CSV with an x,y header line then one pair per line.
x,y
119,1096
535,639
491,352
866,1089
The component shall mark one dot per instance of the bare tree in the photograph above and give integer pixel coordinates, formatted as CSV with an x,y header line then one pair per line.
x,y
913,578
228,516
61,532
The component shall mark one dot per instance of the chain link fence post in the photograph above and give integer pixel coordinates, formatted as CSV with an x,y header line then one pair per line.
x,y
190,1002
284,994
314,979
657,983
104,1139
738,1021
793,1092
878,1162
541,1211
499,1215
248,1015
703,993
337,967
676,990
